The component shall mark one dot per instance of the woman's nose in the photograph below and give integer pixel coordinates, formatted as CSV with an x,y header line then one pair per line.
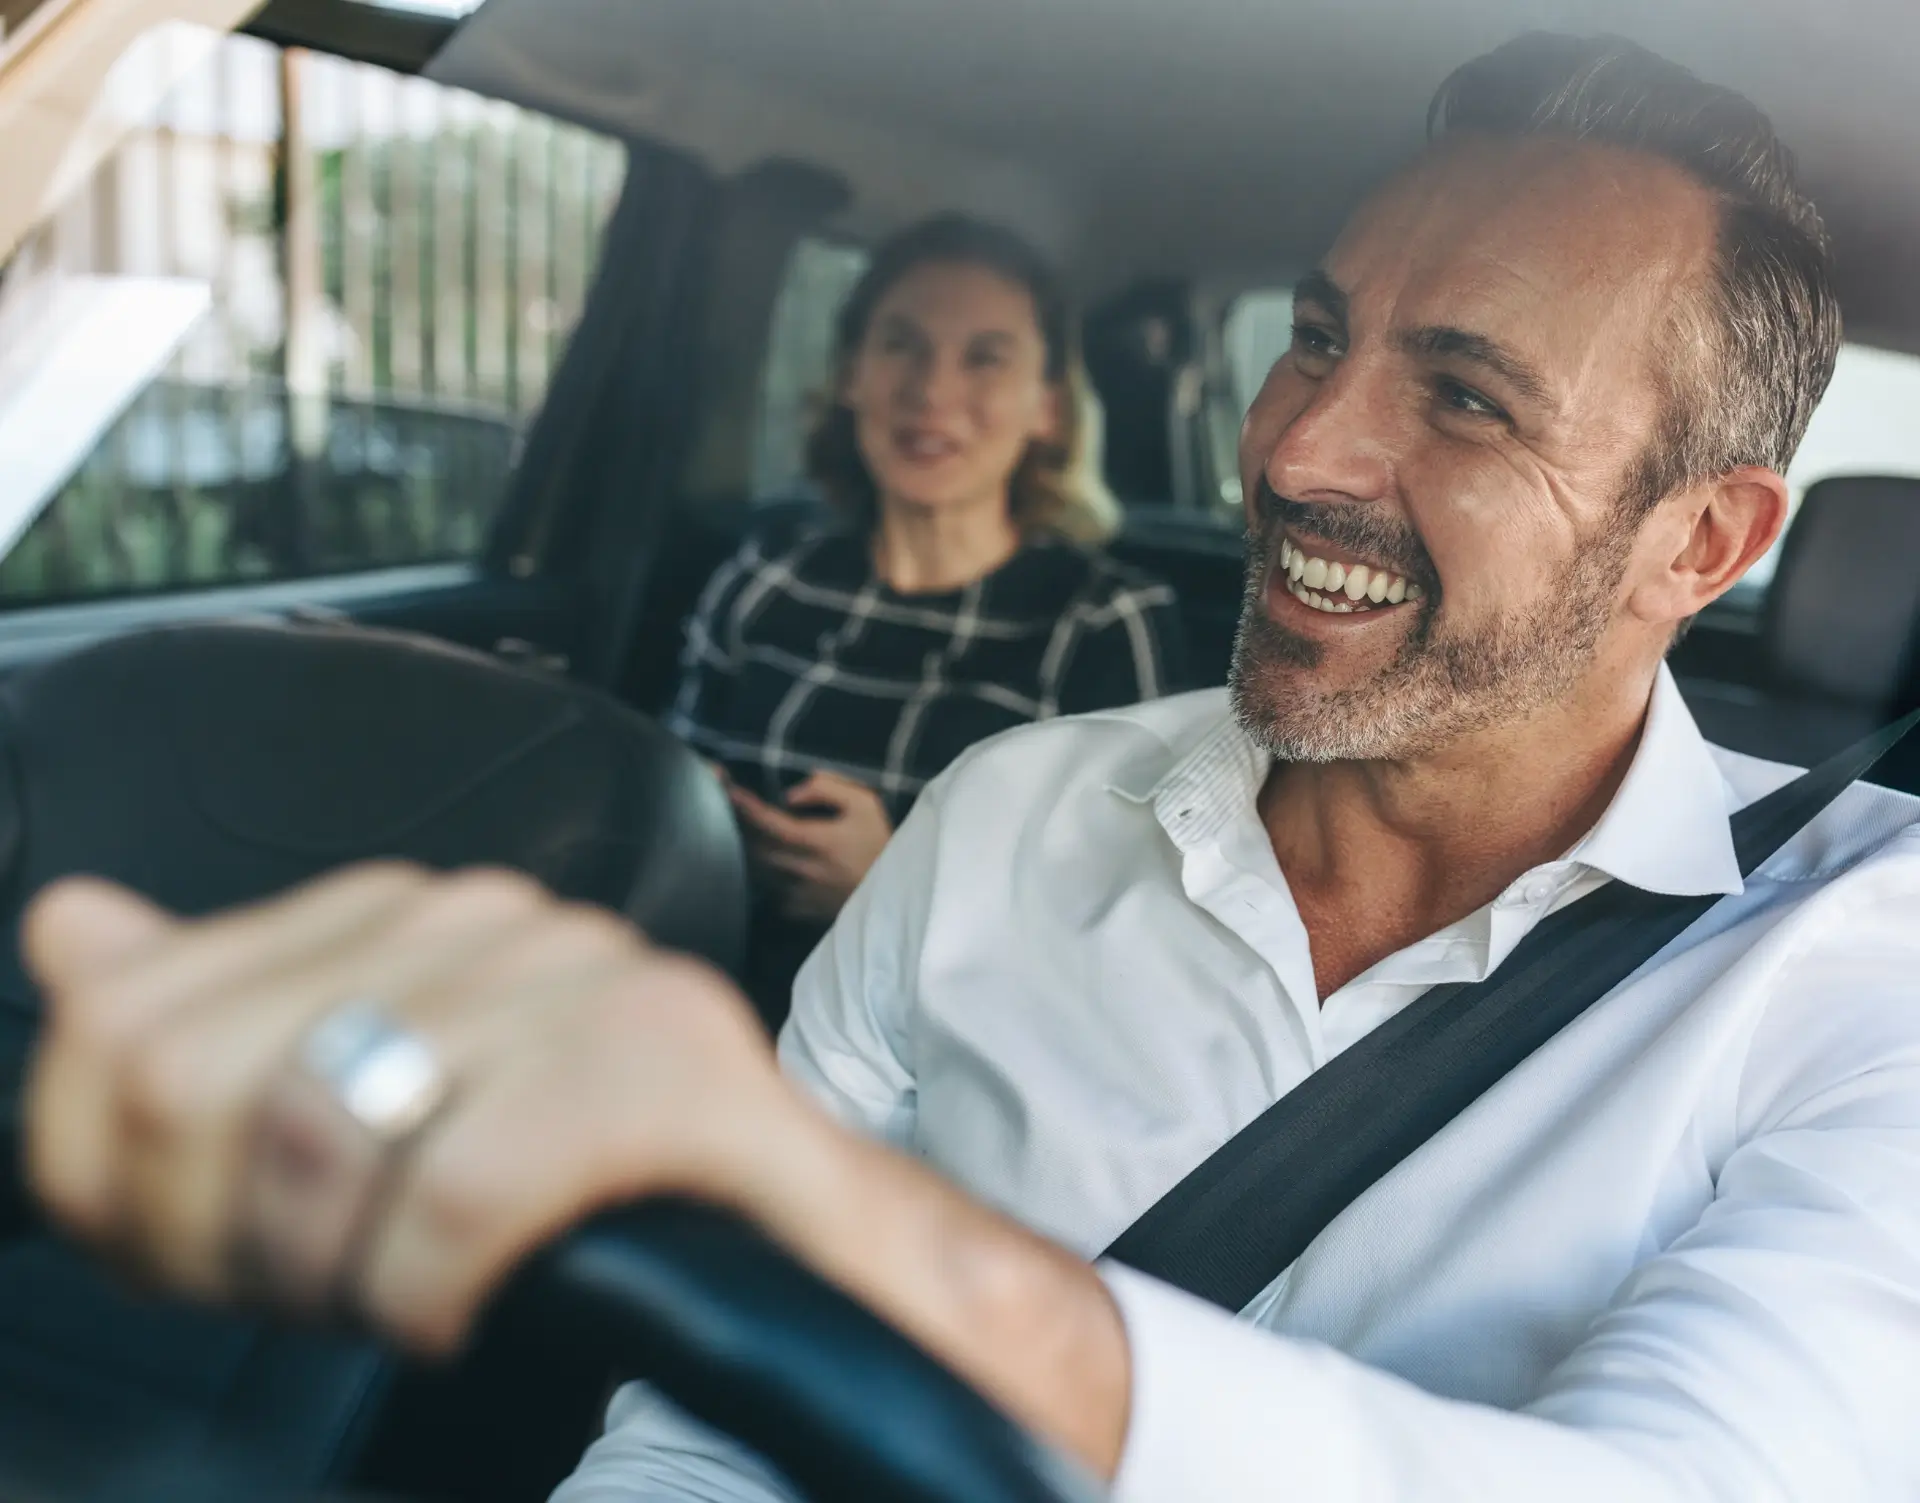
x,y
936,383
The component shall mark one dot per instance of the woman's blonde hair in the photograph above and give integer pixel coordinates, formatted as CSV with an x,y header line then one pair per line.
x,y
1056,488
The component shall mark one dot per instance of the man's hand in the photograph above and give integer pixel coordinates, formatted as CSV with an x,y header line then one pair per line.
x,y
816,863
587,1068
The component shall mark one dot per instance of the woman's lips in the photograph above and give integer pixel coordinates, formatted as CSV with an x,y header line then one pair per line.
x,y
925,446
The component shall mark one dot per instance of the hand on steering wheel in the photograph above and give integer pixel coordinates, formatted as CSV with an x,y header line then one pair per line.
x,y
173,1122
376,1096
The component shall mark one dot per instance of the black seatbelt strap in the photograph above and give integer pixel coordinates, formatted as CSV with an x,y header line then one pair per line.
x,y
1228,1229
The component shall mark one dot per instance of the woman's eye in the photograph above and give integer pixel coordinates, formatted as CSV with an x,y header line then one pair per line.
x,y
1465,399
986,360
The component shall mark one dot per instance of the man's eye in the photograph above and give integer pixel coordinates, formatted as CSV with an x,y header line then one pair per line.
x,y
1311,339
1314,338
1466,399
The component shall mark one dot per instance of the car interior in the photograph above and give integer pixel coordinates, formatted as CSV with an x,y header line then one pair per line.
x,y
363,539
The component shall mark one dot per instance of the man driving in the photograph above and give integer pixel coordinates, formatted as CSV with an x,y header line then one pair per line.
x,y
1539,400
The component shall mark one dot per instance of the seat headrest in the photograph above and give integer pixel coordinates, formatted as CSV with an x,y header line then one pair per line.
x,y
1845,604
210,765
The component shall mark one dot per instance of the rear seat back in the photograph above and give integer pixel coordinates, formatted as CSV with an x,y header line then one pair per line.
x,y
1839,630
1843,607
1204,561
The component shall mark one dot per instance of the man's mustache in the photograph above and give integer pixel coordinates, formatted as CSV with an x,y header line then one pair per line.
x,y
1354,527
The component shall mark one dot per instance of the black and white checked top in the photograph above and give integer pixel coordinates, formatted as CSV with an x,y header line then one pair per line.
x,y
799,658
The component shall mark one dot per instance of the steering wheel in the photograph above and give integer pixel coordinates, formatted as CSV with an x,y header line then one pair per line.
x,y
187,734
740,1336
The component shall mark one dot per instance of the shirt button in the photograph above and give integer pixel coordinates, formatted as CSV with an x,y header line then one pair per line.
x,y
1539,890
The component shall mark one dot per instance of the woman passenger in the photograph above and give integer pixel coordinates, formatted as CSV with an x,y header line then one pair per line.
x,y
833,668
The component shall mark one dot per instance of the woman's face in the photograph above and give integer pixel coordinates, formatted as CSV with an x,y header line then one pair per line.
x,y
949,387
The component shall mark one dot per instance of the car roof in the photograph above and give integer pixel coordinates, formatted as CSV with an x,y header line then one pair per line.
x,y
1218,140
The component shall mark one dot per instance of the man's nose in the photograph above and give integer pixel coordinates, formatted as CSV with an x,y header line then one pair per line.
x,y
1341,445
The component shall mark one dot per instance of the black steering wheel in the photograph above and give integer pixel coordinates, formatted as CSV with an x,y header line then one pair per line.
x,y
740,1336
223,761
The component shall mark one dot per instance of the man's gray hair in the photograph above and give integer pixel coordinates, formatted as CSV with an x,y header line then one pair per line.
x,y
1771,326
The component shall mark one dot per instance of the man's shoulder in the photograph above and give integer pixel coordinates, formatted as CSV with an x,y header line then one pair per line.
x,y
1129,749
1866,823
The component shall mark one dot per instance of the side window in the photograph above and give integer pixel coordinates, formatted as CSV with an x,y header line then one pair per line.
x,y
799,368
1255,333
1863,426
1259,328
293,318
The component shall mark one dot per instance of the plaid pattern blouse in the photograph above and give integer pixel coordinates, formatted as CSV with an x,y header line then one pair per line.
x,y
799,658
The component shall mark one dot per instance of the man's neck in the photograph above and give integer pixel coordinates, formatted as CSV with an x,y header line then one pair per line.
x,y
1379,855
922,550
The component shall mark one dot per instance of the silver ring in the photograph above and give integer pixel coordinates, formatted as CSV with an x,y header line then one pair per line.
x,y
385,1077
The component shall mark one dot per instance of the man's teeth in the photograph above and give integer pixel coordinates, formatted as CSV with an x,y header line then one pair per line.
x,y
1362,587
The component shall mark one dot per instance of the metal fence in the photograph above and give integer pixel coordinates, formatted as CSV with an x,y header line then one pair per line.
x,y
395,268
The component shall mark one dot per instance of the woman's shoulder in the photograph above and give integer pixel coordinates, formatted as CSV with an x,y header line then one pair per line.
x,y
783,553
796,536
1091,578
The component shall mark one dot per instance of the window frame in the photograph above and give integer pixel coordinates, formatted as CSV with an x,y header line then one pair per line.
x,y
400,40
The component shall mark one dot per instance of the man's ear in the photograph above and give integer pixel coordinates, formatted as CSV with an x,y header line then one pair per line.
x,y
1712,534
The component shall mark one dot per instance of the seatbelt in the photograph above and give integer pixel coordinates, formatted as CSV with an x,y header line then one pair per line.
x,y
1228,1229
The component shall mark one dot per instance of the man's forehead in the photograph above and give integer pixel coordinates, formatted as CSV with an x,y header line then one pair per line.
x,y
1554,241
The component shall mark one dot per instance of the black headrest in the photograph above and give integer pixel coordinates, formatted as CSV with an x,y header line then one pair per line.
x,y
1845,604
213,764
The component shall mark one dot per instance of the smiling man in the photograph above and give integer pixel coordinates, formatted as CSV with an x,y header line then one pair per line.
x,y
1536,411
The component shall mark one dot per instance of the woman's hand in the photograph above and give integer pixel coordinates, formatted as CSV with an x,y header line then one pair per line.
x,y
169,1124
816,863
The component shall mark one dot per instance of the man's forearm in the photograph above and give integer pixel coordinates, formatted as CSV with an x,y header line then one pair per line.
x,y
1024,1321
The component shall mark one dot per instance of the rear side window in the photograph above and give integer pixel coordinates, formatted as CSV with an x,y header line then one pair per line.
x,y
1259,329
1864,426
1256,332
798,375
291,320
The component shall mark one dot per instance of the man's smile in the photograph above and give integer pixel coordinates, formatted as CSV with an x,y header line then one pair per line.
x,y
1339,582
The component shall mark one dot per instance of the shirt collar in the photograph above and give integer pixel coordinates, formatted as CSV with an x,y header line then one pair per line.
x,y
1666,830
1206,791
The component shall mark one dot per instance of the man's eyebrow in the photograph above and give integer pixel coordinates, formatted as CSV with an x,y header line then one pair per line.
x,y
1323,292
1477,349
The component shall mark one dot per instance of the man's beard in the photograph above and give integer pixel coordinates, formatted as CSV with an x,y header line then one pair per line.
x,y
1439,687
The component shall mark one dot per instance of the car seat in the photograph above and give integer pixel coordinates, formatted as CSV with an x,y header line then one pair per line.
x,y
1838,631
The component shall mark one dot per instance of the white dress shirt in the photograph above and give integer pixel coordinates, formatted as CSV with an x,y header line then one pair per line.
x,y
1673,1256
